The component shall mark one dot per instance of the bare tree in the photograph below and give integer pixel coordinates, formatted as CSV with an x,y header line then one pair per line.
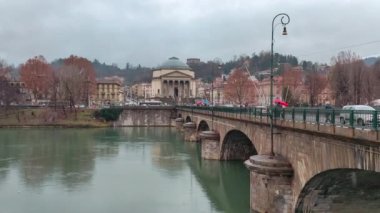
x,y
292,85
315,84
375,78
340,77
8,92
87,72
70,86
349,80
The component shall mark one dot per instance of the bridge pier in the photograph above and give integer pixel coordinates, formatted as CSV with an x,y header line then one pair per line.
x,y
210,145
270,183
190,132
179,123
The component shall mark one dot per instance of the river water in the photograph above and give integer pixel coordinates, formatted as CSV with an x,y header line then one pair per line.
x,y
114,170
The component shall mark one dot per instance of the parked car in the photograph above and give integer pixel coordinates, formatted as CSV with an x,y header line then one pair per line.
x,y
262,109
362,114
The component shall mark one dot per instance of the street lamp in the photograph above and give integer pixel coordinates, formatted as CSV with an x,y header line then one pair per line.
x,y
284,32
216,62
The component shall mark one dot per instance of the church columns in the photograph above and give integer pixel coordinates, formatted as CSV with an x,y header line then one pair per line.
x,y
187,89
176,88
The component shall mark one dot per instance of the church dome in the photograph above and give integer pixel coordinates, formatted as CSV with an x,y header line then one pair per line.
x,y
174,63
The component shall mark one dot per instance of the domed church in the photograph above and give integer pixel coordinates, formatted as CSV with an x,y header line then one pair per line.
x,y
173,79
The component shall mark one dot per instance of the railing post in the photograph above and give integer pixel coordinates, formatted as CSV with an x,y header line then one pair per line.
x,y
304,115
375,120
293,114
333,116
352,118
317,116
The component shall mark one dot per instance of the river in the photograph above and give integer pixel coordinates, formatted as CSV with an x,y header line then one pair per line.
x,y
115,170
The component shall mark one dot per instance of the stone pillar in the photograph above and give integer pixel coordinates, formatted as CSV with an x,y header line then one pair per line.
x,y
179,123
190,132
188,89
171,90
163,88
210,145
270,184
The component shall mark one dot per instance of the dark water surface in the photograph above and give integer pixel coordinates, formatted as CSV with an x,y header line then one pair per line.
x,y
114,170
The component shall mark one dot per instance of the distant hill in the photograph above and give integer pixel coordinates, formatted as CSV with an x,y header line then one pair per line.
x,y
205,70
371,60
131,74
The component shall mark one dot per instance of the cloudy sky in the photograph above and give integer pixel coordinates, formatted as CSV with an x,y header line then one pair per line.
x,y
148,32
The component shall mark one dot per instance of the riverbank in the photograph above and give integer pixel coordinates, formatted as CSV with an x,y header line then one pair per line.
x,y
49,117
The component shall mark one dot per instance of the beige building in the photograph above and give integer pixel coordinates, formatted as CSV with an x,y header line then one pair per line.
x,y
173,79
263,90
141,91
109,91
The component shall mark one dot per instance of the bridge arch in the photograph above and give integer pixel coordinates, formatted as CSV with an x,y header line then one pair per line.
x,y
237,146
188,119
203,126
349,190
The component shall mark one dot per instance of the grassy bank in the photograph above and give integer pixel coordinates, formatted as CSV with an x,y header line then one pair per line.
x,y
28,117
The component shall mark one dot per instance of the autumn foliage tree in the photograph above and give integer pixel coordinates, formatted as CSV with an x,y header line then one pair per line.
x,y
37,75
239,88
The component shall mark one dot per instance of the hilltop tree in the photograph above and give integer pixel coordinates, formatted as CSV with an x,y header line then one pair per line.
x,y
239,88
37,75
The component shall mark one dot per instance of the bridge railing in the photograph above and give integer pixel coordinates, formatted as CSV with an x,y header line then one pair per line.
x,y
366,119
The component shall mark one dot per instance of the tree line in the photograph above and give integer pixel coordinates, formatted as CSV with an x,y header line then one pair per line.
x,y
69,84
72,80
349,80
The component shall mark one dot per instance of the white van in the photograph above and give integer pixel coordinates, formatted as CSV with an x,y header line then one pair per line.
x,y
362,114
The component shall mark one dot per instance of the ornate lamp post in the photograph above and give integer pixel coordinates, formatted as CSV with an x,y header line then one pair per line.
x,y
216,63
271,176
284,32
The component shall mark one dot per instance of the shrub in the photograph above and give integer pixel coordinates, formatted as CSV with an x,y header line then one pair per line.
x,y
110,114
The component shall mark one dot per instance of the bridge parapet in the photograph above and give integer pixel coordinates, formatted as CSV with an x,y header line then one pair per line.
x,y
304,119
147,116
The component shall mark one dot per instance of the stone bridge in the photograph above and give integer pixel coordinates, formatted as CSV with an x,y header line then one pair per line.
x,y
146,116
316,168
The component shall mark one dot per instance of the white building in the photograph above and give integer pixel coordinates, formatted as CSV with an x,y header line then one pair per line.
x,y
173,79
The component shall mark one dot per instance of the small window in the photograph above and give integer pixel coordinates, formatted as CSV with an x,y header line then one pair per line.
x,y
158,91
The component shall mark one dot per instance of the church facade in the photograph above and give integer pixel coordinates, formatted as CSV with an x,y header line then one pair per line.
x,y
174,80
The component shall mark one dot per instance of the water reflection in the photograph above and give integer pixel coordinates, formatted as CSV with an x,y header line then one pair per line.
x,y
42,155
226,183
139,169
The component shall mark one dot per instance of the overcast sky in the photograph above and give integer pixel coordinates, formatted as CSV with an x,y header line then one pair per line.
x,y
147,32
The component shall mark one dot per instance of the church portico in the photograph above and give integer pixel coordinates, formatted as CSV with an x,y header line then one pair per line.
x,y
173,79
